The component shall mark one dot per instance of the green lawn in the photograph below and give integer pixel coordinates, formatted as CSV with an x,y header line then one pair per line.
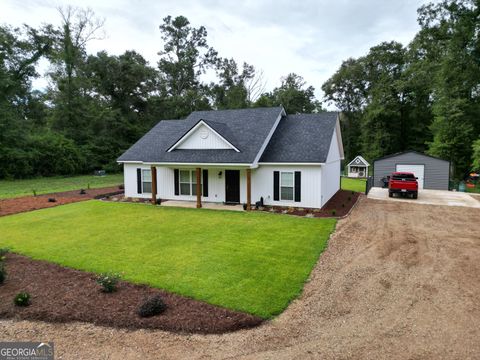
x,y
45,185
254,262
357,185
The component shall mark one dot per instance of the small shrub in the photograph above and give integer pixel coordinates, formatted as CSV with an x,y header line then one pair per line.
x,y
353,192
108,282
3,252
34,192
22,299
3,273
82,192
334,212
52,200
152,306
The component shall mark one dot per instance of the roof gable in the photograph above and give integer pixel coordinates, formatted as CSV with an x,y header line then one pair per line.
x,y
359,161
205,135
302,138
246,129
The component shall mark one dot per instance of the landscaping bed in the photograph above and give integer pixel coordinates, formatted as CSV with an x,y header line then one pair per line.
x,y
61,294
29,203
338,206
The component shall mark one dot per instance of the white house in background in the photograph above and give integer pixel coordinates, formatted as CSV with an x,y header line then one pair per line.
x,y
238,156
358,167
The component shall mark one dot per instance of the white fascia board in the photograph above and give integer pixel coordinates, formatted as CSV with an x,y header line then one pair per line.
x,y
339,137
189,132
269,137
196,164
291,163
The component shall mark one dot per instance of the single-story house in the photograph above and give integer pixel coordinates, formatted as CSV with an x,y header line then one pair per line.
x,y
432,172
238,156
358,167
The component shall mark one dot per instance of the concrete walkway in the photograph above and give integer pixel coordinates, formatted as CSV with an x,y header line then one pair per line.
x,y
205,205
429,197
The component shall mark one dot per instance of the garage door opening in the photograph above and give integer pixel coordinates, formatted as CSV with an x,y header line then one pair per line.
x,y
418,170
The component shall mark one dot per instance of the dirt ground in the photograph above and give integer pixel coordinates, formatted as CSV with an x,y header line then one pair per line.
x,y
29,203
398,281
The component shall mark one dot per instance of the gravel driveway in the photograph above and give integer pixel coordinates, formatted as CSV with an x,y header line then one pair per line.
x,y
398,281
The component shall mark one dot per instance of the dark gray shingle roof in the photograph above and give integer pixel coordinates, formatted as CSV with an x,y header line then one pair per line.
x,y
301,138
246,129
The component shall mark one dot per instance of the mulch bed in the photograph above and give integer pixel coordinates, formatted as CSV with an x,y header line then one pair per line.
x,y
29,203
63,295
342,202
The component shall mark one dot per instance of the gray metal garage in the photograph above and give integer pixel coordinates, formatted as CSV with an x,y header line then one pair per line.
x,y
432,172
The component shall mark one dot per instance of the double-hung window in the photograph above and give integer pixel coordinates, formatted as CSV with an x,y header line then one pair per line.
x,y
286,186
146,181
188,182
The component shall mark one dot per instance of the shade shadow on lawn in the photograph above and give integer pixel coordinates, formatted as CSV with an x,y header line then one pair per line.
x,y
251,262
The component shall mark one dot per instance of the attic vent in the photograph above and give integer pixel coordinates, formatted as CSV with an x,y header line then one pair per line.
x,y
204,133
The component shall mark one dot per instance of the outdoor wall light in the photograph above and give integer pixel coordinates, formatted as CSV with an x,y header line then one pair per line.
x,y
220,175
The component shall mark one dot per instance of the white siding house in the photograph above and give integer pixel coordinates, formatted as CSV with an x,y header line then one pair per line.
x,y
240,156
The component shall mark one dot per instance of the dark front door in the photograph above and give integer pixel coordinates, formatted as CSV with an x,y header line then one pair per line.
x,y
232,186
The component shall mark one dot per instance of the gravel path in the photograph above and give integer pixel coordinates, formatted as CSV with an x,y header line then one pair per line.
x,y
398,281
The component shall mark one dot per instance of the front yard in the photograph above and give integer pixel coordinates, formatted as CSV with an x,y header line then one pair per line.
x,y
252,262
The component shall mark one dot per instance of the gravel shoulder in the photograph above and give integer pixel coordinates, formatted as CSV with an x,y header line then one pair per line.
x,y
398,281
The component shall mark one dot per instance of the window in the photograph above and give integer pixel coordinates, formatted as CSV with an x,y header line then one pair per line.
x,y
188,182
147,181
286,186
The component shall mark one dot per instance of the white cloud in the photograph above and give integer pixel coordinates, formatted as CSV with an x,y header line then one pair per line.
x,y
311,37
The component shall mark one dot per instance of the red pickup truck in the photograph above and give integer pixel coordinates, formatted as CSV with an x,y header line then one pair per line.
x,y
403,183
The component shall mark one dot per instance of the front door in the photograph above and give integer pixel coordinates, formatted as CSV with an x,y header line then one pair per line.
x,y
232,186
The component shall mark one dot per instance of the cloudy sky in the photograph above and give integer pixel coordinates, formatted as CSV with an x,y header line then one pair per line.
x,y
308,37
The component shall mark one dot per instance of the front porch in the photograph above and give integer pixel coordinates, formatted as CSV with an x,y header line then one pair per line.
x,y
210,187
205,205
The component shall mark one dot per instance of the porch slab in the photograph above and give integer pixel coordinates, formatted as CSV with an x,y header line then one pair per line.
x,y
205,205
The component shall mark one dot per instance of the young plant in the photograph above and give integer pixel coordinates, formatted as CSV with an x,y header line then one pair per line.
x,y
152,306
108,282
334,212
3,273
22,299
34,192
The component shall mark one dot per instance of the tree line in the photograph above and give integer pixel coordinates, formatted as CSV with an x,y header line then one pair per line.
x,y
96,106
424,96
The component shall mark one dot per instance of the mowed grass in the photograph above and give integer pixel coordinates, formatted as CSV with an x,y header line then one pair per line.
x,y
357,185
253,262
45,185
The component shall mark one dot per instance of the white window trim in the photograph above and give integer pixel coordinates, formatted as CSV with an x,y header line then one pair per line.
x,y
192,177
293,186
143,181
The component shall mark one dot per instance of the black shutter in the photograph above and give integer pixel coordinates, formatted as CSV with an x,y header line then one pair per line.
x,y
139,181
205,183
298,185
177,181
276,185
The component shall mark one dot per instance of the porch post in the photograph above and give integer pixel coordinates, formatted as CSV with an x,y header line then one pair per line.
x,y
249,189
153,171
199,187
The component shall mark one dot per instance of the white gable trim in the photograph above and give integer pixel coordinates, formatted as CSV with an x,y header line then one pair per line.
x,y
365,162
339,138
193,129
269,137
